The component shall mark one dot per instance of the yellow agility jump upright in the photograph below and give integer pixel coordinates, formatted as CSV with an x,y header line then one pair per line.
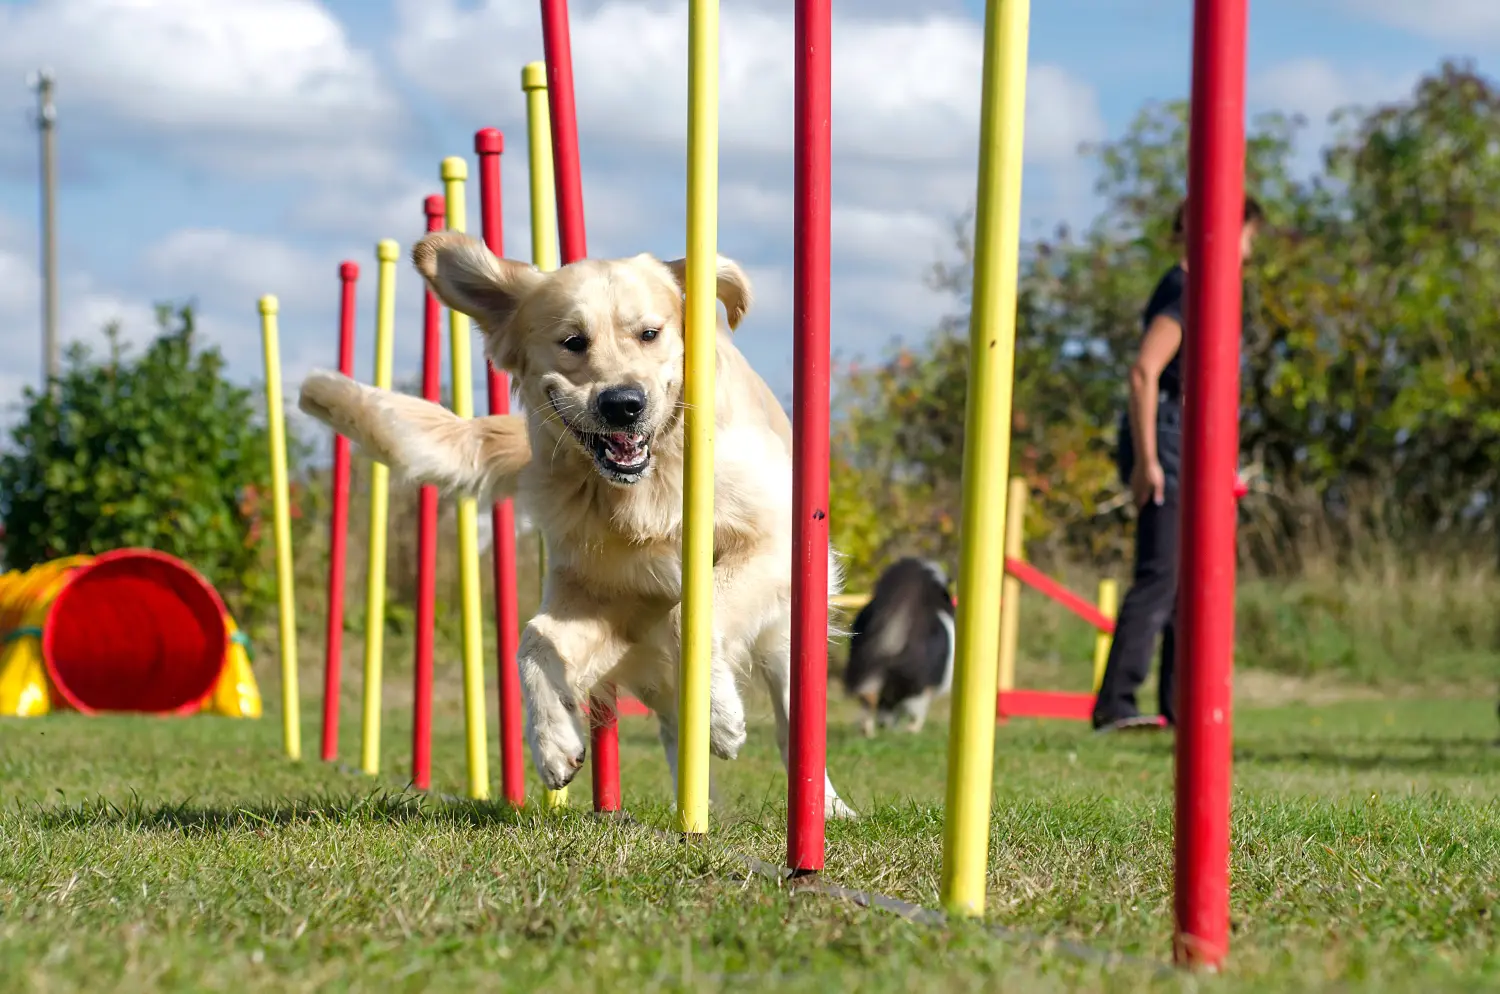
x,y
454,172
543,248
291,717
701,331
386,254
992,335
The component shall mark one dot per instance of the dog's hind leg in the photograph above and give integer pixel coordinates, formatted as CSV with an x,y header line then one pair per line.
x,y
916,708
773,657
665,708
726,708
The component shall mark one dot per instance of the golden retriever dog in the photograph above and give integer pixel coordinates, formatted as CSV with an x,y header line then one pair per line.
x,y
596,352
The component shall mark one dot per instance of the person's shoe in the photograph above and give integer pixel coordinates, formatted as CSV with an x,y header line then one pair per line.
x,y
1131,723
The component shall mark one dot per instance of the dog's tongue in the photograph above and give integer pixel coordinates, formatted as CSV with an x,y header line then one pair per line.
x,y
626,448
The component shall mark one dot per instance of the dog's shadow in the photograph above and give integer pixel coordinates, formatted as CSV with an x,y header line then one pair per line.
x,y
189,817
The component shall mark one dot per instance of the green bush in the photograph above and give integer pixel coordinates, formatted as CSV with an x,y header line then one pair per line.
x,y
158,450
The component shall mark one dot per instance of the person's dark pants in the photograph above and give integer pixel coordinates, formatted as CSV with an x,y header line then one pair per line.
x,y
1150,606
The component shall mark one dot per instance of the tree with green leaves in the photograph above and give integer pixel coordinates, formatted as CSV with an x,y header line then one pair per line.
x,y
156,450
1371,401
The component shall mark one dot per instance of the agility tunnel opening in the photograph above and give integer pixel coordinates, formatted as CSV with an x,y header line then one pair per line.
x,y
133,630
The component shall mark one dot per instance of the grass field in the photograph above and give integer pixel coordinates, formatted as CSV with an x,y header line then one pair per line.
x,y
188,855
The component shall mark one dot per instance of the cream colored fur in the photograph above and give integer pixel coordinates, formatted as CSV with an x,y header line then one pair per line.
x,y
610,610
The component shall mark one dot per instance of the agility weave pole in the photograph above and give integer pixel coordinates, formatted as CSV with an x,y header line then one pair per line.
x,y
434,209
811,369
386,254
454,172
1211,372
291,713
700,331
992,329
604,737
489,145
338,529
543,253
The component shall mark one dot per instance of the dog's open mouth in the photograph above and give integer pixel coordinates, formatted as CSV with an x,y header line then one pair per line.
x,y
620,455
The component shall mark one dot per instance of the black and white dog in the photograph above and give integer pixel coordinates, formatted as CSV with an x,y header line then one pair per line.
x,y
901,653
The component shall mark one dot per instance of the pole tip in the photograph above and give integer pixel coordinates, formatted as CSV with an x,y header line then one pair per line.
x,y
348,271
534,76
455,168
269,304
489,141
435,206
387,250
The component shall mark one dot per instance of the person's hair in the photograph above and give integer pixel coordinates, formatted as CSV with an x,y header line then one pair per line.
x,y
1253,215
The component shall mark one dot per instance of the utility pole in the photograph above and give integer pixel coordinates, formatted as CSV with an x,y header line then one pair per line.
x,y
46,121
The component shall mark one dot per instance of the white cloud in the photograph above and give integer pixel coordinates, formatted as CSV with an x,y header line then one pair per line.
x,y
248,86
905,88
1316,88
85,307
906,93
242,266
1470,22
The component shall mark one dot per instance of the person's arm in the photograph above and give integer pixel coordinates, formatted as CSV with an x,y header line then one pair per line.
x,y
1161,342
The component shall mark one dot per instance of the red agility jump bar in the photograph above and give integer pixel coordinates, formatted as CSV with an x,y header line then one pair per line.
x,y
1048,587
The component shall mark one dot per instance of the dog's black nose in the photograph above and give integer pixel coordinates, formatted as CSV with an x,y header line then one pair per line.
x,y
621,407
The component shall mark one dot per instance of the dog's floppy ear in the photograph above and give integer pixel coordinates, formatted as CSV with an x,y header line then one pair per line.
x,y
467,277
732,286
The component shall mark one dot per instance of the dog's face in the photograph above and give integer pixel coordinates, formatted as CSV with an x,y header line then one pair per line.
x,y
596,347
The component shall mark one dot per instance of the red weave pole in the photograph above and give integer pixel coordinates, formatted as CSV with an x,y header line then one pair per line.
x,y
604,735
338,535
568,177
489,144
427,522
810,390
1048,587
558,50
1211,368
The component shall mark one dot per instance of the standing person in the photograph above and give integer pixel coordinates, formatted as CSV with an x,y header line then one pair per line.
x,y
1150,461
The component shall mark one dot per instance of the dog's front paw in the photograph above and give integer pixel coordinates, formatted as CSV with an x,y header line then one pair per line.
x,y
558,751
332,398
834,809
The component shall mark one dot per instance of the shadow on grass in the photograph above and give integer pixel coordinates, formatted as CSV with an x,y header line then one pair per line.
x,y
378,807
1427,753
1459,755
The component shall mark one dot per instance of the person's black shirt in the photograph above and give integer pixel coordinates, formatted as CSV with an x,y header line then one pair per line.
x,y
1167,299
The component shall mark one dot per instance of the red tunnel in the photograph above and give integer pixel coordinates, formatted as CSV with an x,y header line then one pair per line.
x,y
135,630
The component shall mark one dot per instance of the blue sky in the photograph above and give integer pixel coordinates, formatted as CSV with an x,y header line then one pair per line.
x,y
225,149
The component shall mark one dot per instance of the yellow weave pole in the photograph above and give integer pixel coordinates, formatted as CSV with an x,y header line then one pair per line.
x,y
701,312
543,256
992,338
455,171
1010,587
291,718
1109,603
386,252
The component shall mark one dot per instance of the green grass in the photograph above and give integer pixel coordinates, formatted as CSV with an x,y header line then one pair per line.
x,y
188,855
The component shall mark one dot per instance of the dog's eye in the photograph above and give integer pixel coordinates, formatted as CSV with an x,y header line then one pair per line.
x,y
576,343
649,335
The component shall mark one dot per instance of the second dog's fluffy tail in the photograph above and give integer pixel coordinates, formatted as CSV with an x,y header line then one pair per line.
x,y
422,441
